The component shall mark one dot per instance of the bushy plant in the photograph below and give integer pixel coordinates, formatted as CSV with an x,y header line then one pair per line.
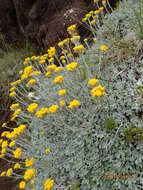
x,y
73,120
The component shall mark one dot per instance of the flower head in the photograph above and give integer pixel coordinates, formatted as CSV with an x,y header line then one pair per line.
x,y
103,48
32,107
48,185
74,104
58,79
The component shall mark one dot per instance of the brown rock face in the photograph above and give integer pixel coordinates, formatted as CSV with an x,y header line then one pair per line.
x,y
42,21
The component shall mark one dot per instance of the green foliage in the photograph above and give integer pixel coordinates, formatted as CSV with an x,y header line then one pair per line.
x,y
133,134
110,124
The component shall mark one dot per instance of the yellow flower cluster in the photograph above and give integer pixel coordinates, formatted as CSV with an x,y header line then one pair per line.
x,y
75,38
74,104
72,66
22,185
64,42
32,107
29,163
17,153
103,48
71,29
31,82
15,114
78,48
29,173
53,108
14,106
47,150
17,166
48,185
42,112
93,81
98,91
62,103
58,79
62,92
9,172
51,52
27,72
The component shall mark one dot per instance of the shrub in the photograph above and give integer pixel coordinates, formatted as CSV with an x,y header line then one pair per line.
x,y
63,113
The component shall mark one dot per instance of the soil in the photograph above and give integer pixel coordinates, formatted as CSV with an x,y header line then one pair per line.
x,y
41,21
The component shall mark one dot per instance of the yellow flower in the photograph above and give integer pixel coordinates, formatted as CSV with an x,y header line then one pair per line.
x,y
96,12
101,9
22,185
74,104
84,19
12,94
27,59
17,153
34,73
42,61
48,74
29,173
88,15
58,69
62,103
2,173
66,41
62,57
9,172
51,52
12,143
104,2
58,79
28,70
14,106
31,82
75,38
60,44
51,60
93,81
4,144
51,68
32,107
98,91
48,185
53,108
78,48
30,162
42,112
3,151
103,48
17,166
2,155
72,66
15,82
71,28
25,62
47,150
12,89
92,22
63,61
62,92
